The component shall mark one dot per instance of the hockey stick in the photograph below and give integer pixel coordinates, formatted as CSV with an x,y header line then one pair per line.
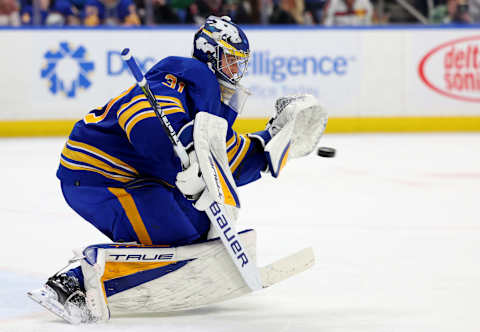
x,y
216,211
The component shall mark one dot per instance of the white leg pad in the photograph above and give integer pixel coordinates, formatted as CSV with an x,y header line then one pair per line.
x,y
207,276
210,278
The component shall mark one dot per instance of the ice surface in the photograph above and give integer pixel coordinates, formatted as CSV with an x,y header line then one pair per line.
x,y
393,220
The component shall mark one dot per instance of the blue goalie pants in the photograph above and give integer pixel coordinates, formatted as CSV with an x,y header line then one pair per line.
x,y
151,214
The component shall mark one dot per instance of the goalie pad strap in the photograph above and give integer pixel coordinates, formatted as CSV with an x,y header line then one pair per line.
x,y
209,139
93,269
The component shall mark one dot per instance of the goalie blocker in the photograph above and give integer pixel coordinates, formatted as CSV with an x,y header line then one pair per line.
x,y
122,278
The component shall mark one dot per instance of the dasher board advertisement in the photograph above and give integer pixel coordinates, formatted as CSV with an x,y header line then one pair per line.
x,y
67,73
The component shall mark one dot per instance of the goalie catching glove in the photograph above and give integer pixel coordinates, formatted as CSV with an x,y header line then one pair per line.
x,y
296,128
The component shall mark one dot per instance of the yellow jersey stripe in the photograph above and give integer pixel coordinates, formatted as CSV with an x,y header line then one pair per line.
x,y
169,99
166,106
239,158
77,167
231,140
144,105
92,118
173,110
87,159
130,208
126,105
137,118
123,118
232,152
93,150
142,97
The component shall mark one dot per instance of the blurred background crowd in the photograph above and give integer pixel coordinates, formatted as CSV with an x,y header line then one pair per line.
x,y
303,12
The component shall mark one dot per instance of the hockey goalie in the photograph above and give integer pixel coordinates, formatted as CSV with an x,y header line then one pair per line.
x,y
119,172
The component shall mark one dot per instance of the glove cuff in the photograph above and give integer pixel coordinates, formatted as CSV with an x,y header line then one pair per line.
x,y
263,136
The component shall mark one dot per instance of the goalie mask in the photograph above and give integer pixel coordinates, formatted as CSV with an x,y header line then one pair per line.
x,y
224,47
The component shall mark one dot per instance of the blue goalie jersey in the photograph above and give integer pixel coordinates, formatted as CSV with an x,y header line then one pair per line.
x,y
123,142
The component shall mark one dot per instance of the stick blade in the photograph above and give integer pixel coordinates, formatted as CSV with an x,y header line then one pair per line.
x,y
287,267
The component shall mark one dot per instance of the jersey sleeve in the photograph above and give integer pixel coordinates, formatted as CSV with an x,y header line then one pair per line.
x,y
246,155
145,131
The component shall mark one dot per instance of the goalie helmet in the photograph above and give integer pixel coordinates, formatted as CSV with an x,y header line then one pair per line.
x,y
221,39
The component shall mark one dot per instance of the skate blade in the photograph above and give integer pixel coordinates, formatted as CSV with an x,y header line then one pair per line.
x,y
45,298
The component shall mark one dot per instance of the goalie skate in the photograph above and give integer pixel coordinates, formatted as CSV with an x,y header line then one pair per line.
x,y
69,306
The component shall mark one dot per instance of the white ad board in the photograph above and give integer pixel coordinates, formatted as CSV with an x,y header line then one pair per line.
x,y
63,74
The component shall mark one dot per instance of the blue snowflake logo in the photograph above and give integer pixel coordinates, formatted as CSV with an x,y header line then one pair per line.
x,y
67,70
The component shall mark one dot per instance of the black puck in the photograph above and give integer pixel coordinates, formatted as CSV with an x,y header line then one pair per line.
x,y
326,152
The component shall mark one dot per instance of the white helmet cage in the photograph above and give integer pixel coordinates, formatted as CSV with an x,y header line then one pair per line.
x,y
230,65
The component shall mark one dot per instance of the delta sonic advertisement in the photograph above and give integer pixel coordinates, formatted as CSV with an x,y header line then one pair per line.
x,y
73,72
447,72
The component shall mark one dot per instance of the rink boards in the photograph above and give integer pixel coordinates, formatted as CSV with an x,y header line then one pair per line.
x,y
371,79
